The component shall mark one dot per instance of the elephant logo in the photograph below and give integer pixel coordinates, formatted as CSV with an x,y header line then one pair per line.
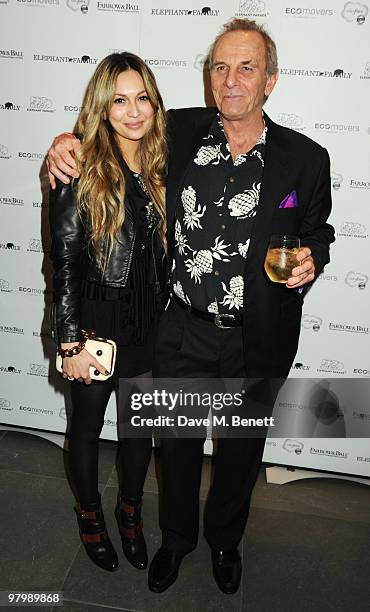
x,y
206,10
300,366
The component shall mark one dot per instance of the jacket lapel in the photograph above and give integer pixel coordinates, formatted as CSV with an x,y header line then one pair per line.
x,y
275,185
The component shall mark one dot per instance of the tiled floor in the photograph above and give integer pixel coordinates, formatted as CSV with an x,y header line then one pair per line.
x,y
306,548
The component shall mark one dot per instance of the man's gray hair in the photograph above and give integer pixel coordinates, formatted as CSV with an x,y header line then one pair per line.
x,y
249,25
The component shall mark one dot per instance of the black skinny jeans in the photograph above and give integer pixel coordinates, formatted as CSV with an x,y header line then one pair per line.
x,y
89,403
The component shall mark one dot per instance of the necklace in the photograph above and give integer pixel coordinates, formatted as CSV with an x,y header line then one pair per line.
x,y
152,217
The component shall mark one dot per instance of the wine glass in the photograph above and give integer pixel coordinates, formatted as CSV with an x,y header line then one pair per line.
x,y
281,257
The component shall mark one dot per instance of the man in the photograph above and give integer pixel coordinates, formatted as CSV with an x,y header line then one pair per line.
x,y
234,179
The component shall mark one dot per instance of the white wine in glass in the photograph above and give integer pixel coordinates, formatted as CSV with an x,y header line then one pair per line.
x,y
281,257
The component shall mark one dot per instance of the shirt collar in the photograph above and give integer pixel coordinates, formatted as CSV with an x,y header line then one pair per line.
x,y
217,130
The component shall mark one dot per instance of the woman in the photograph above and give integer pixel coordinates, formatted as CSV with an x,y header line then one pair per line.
x,y
108,244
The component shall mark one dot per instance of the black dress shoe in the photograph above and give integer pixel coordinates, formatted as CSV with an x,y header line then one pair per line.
x,y
227,570
163,570
95,538
130,526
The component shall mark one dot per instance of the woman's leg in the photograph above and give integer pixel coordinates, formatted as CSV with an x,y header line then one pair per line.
x,y
134,457
89,403
133,461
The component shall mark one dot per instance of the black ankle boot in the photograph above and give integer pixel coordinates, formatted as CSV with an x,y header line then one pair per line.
x,y
130,526
94,536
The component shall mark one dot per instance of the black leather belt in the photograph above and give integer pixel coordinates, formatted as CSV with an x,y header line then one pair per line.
x,y
220,320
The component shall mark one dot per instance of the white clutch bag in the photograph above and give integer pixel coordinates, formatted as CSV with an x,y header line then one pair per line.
x,y
103,350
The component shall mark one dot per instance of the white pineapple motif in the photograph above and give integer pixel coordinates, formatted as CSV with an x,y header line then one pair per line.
x,y
242,205
178,289
243,248
259,155
219,249
209,154
181,241
213,307
219,202
193,212
234,296
202,261
177,229
242,157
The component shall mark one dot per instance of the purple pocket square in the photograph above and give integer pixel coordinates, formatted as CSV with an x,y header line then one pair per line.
x,y
290,201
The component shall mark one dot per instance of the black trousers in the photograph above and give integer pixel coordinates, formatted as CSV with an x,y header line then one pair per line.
x,y
189,347
89,403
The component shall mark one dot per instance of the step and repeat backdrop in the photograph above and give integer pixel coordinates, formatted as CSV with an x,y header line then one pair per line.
x,y
49,49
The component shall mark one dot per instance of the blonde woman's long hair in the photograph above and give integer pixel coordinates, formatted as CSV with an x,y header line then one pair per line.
x,y
101,189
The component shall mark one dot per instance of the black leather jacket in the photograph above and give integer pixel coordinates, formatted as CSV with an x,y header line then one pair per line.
x,y
74,262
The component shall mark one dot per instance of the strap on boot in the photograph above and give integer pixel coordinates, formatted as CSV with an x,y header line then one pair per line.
x,y
92,525
128,529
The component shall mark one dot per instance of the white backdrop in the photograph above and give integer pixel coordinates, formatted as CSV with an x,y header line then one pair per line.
x,y
49,49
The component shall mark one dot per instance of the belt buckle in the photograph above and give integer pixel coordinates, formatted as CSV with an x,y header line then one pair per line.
x,y
218,320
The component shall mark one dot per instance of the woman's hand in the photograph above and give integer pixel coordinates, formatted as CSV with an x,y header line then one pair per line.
x,y
77,367
61,158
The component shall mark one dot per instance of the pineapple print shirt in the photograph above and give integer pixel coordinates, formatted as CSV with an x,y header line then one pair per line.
x,y
213,223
